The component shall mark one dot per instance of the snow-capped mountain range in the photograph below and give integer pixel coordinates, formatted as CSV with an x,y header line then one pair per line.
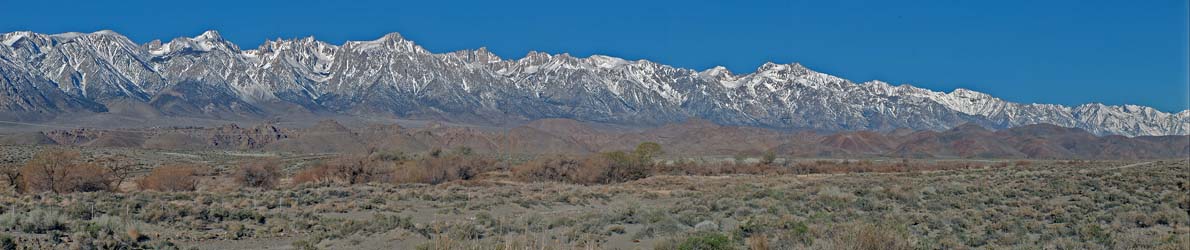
x,y
208,76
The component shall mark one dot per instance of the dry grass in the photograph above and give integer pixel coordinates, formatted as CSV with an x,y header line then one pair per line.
x,y
872,237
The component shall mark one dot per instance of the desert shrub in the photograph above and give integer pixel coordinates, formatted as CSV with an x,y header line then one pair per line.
x,y
434,170
119,168
389,156
171,178
87,177
353,169
547,169
36,221
620,167
707,241
721,168
758,242
646,151
12,177
61,171
264,173
7,243
867,236
345,170
740,158
1094,233
605,168
866,166
46,169
316,174
769,157
594,170
438,167
462,151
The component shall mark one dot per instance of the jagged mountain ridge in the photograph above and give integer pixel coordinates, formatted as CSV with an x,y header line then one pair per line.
x,y
208,76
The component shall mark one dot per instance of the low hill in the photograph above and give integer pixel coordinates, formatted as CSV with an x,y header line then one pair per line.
x,y
690,138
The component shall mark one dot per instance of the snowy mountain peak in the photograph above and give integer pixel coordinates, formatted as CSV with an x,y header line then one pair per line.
x,y
210,35
971,96
207,76
207,41
391,42
106,33
877,84
68,35
536,57
482,55
603,61
392,36
11,38
795,68
477,56
879,87
717,72
770,66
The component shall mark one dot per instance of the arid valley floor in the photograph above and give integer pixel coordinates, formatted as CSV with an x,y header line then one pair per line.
x,y
982,204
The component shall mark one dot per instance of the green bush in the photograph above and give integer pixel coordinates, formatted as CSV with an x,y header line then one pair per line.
x,y
707,241
36,221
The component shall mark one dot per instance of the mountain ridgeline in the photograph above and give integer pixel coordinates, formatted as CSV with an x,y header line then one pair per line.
x,y
46,76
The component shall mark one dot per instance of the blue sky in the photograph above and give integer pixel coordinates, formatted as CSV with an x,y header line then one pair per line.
x,y
1065,52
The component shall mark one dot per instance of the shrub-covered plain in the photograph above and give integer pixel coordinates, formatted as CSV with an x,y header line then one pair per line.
x,y
625,200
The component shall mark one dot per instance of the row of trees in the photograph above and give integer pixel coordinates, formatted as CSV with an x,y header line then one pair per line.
x,y
60,171
608,167
65,171
437,167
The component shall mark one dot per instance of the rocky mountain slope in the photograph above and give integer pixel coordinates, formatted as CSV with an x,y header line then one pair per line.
x,y
210,77
692,138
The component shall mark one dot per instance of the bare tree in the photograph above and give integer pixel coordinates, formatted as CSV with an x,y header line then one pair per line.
x,y
120,167
61,171
47,169
12,175
261,173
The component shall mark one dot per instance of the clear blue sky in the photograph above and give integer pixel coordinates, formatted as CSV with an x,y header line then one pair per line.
x,y
1065,52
